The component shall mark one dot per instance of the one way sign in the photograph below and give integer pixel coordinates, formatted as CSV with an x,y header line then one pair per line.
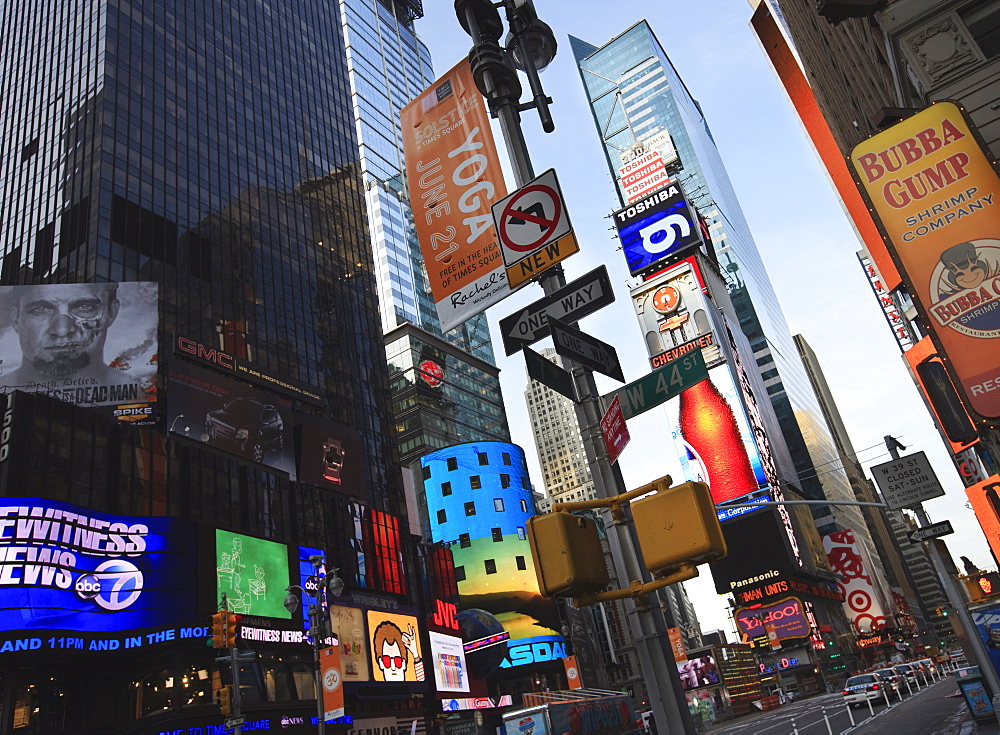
x,y
586,350
932,531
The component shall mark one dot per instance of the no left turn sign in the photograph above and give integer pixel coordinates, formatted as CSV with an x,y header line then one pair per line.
x,y
531,218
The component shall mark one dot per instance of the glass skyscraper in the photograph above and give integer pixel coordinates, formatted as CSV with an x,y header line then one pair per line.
x,y
446,388
634,93
208,151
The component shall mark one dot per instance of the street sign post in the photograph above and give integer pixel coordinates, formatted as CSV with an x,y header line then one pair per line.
x,y
572,302
232,723
926,533
614,430
549,374
907,481
586,350
660,385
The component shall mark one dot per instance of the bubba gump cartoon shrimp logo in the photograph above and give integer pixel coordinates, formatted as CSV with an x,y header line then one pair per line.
x,y
966,284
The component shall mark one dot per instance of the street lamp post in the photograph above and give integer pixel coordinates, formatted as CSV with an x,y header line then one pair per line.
x,y
531,46
321,584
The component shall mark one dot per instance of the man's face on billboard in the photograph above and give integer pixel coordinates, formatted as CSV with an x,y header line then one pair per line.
x,y
392,662
62,327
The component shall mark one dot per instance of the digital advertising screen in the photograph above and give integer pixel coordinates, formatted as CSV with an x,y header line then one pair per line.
x,y
330,455
783,619
68,569
863,604
759,552
480,495
698,672
395,647
450,672
349,625
92,344
658,226
714,439
211,408
252,573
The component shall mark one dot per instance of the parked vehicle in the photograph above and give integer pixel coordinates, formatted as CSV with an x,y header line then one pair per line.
x,y
928,665
859,689
892,677
907,670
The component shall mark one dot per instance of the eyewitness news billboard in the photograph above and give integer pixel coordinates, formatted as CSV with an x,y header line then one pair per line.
x,y
87,579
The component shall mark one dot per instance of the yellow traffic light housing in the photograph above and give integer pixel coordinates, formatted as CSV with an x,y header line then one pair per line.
x,y
677,524
569,559
219,621
232,626
225,699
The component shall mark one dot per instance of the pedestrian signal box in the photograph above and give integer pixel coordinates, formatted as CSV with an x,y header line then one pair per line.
x,y
569,559
677,524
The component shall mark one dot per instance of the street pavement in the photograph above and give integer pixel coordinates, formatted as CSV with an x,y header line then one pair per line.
x,y
927,712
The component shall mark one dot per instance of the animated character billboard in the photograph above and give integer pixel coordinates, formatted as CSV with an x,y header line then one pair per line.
x,y
395,647
252,573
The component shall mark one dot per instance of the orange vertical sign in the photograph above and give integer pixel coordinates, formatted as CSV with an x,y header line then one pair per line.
x,y
333,689
454,176
677,644
573,679
985,500
937,196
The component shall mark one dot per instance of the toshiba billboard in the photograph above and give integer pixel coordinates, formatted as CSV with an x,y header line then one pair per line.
x,y
935,193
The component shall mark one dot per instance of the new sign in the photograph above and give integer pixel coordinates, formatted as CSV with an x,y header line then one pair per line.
x,y
656,227
534,228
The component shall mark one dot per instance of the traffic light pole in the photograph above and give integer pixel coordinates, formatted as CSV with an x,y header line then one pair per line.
x,y
647,621
234,667
955,597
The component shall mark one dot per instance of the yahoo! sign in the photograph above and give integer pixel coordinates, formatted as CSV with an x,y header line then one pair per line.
x,y
785,619
66,568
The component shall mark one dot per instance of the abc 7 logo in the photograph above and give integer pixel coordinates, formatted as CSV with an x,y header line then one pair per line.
x,y
661,234
113,585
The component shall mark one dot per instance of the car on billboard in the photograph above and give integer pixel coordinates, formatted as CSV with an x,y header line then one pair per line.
x,y
249,425
859,689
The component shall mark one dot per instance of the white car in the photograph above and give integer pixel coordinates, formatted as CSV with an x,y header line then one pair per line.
x,y
859,689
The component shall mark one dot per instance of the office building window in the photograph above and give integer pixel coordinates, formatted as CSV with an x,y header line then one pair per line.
x,y
483,457
504,480
506,457
520,533
524,505
427,472
475,482
497,535
464,541
470,509
459,574
520,563
442,516
491,566
452,464
498,505
445,489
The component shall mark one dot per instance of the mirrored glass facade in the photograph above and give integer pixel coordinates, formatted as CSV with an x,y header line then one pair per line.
x,y
635,92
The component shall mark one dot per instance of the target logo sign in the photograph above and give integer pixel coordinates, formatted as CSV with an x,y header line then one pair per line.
x,y
531,218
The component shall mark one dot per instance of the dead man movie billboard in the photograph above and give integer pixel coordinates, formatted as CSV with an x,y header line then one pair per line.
x,y
93,344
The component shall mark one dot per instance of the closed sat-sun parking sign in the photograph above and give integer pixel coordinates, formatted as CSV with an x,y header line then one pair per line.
x,y
907,481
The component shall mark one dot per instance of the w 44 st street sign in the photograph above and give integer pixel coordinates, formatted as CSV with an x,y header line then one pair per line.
x,y
661,385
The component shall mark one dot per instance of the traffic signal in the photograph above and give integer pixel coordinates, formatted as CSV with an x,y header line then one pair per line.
x,y
982,585
225,700
567,553
232,626
677,524
219,629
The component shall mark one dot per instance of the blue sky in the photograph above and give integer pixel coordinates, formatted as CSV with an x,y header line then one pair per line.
x,y
804,237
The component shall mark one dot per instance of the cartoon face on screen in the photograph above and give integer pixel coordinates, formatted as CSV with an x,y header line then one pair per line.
x,y
393,651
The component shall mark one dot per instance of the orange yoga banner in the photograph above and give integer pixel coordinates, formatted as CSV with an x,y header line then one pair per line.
x,y
985,500
333,690
454,175
937,196
573,680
